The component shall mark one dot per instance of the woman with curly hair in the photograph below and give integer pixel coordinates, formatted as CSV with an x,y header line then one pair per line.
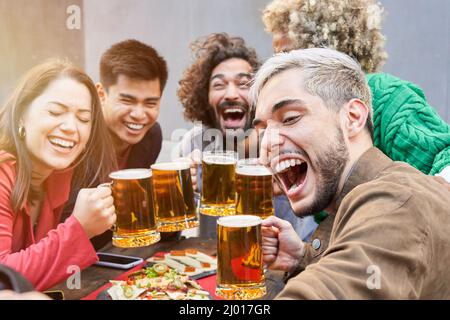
x,y
406,127
349,26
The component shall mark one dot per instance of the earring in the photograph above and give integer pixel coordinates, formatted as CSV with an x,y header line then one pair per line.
x,y
22,132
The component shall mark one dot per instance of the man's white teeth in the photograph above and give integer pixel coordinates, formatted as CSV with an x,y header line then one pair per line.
x,y
233,110
294,185
62,143
134,126
292,162
286,164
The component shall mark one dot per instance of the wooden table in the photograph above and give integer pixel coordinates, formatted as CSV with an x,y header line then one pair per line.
x,y
94,277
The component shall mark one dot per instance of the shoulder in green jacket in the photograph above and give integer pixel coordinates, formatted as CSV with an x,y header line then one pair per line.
x,y
406,127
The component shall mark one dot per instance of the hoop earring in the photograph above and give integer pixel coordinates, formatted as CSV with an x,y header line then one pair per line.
x,y
22,133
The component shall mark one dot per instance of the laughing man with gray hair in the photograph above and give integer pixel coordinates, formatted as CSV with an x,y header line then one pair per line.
x,y
390,235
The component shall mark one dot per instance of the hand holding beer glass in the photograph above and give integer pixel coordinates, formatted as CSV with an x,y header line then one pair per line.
x,y
133,199
218,183
253,188
175,206
240,273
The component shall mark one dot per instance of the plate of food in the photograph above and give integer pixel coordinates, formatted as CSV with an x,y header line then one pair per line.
x,y
155,282
167,276
191,262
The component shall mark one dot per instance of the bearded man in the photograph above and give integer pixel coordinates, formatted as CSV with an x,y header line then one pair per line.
x,y
389,236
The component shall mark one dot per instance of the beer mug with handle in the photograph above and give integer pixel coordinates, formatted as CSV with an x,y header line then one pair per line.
x,y
240,272
136,224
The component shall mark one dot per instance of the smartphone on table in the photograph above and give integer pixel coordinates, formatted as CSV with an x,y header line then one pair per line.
x,y
55,294
117,261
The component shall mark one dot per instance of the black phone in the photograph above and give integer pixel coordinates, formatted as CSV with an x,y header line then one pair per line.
x,y
117,261
55,294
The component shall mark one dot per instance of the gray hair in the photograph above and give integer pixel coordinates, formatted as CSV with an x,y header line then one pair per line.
x,y
331,75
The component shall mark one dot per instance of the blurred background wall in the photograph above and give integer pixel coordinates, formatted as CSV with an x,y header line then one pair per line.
x,y
417,31
418,44
33,31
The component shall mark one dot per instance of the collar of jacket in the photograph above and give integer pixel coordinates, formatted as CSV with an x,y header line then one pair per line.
x,y
365,169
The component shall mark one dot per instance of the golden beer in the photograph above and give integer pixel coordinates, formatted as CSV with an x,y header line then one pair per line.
x,y
253,189
175,206
133,199
218,183
240,273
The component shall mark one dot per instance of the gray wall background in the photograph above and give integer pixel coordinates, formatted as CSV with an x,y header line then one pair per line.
x,y
31,32
417,31
418,44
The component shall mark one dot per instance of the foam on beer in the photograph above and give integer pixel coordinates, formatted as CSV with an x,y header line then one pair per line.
x,y
239,221
131,174
177,165
253,171
214,159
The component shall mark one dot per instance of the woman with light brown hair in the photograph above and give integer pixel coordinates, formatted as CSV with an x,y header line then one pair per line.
x,y
52,136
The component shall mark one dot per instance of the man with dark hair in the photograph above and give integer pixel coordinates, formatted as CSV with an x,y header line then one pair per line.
x,y
214,89
214,94
132,79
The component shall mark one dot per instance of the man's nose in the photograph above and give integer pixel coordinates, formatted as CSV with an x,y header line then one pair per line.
x,y
270,143
232,92
137,112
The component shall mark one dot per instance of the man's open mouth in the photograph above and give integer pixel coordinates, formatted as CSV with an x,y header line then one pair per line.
x,y
233,117
292,173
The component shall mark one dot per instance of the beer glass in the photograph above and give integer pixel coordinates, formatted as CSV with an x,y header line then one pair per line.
x,y
133,199
174,195
218,188
240,274
253,188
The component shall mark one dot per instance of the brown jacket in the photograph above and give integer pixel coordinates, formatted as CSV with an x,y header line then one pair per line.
x,y
390,238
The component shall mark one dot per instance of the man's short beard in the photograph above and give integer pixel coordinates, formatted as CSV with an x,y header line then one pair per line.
x,y
330,166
